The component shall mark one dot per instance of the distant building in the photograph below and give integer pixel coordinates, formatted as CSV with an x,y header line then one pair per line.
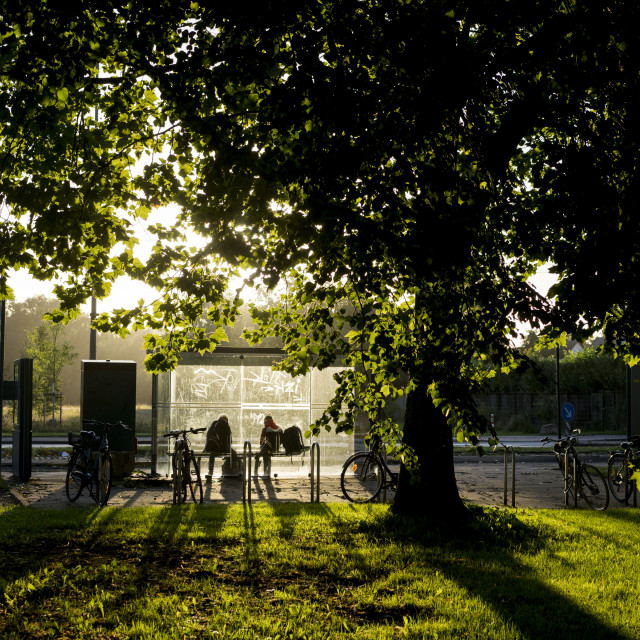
x,y
576,347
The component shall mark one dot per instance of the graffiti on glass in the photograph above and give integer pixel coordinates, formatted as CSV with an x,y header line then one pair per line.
x,y
223,383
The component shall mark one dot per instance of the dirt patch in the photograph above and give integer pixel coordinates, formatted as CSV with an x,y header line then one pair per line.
x,y
7,499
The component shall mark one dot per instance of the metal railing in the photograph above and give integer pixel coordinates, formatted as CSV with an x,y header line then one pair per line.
x,y
246,473
314,475
315,472
506,474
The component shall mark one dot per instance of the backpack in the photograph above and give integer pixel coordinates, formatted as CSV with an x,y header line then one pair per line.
x,y
232,465
292,441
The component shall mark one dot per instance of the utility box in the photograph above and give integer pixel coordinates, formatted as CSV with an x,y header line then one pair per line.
x,y
633,401
22,419
108,394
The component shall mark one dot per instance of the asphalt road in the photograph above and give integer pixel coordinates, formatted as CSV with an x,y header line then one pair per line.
x,y
532,441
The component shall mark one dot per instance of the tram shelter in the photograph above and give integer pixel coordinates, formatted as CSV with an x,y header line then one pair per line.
x,y
242,384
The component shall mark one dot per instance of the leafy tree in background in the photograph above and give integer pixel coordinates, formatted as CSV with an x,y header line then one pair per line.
x,y
402,167
587,371
22,317
51,354
27,315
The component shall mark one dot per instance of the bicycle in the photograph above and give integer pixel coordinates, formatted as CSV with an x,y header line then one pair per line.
x,y
90,464
590,484
185,467
618,467
365,474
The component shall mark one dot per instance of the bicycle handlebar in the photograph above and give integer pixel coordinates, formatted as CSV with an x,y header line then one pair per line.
x,y
566,440
176,432
107,425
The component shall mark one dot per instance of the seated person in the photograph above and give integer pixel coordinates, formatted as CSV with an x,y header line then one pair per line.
x,y
218,441
268,440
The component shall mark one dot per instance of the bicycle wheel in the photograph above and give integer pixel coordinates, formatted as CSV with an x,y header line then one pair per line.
x,y
361,477
389,489
616,470
179,484
192,478
75,476
593,487
104,477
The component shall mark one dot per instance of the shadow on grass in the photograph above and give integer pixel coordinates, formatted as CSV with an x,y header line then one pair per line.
x,y
487,559
514,592
35,539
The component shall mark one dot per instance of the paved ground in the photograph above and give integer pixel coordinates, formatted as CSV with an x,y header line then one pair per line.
x,y
480,481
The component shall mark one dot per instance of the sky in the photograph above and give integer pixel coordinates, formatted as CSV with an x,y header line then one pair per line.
x,y
125,292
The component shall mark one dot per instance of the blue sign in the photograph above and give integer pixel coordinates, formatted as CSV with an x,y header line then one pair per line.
x,y
568,411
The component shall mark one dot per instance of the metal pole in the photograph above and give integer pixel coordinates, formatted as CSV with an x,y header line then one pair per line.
x,y
626,480
384,487
506,463
513,477
576,483
628,399
154,424
2,325
246,486
315,472
92,331
558,409
566,479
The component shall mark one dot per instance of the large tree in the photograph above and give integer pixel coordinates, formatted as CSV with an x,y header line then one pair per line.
x,y
402,166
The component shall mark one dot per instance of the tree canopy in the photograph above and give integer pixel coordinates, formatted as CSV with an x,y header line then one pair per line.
x,y
402,167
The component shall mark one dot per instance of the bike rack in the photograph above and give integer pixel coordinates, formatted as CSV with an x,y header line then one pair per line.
x,y
576,481
246,473
315,472
513,474
634,486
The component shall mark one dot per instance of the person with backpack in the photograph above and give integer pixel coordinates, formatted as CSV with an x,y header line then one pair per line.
x,y
218,442
268,444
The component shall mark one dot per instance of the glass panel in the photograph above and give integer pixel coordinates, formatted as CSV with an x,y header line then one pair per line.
x,y
335,448
164,425
264,386
323,386
164,387
205,382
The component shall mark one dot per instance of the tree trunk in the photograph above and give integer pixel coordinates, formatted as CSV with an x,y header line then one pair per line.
x,y
434,493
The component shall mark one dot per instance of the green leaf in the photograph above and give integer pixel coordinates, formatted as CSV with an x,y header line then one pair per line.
x,y
219,335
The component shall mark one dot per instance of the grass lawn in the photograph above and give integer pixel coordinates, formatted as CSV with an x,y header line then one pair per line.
x,y
71,421
316,571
